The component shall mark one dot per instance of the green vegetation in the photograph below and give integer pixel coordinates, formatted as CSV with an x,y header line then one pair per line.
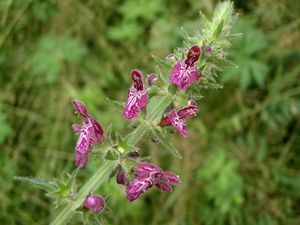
x,y
241,163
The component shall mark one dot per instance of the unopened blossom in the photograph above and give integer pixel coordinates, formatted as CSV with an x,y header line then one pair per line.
x,y
121,176
133,155
94,203
208,49
137,97
151,79
177,118
185,72
171,56
90,132
147,175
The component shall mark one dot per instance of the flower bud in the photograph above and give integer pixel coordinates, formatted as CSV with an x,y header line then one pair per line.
x,y
171,56
208,49
151,79
133,154
94,203
121,176
80,108
193,55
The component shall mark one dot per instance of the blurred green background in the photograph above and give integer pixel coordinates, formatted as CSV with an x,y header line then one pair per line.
x,y
241,163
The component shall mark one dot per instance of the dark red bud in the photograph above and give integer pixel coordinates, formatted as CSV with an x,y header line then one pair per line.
x,y
193,55
133,154
121,176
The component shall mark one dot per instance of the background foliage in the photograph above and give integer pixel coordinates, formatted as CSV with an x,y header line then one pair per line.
x,y
241,163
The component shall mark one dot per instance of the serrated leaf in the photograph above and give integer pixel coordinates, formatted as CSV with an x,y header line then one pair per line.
x,y
204,21
41,183
259,71
165,140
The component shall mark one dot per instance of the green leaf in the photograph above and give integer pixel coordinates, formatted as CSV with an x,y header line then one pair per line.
x,y
135,9
165,140
219,29
123,145
259,71
57,51
127,30
110,156
41,183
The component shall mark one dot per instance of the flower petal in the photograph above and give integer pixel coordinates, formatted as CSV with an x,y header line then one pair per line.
x,y
136,188
80,108
178,123
184,76
98,130
83,143
81,159
146,167
164,187
76,128
189,111
171,178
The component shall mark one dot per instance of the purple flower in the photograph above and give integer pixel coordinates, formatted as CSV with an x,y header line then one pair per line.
x,y
178,118
90,132
185,72
151,79
137,97
94,203
148,175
